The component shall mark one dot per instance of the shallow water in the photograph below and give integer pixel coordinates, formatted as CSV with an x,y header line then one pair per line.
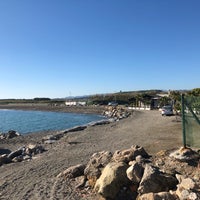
x,y
33,121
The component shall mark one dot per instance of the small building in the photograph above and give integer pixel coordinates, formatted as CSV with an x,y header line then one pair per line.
x,y
70,103
75,103
81,103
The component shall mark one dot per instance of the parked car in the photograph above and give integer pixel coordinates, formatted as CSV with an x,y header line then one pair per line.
x,y
112,103
167,110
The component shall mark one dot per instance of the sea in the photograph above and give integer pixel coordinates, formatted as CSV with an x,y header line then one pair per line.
x,y
26,122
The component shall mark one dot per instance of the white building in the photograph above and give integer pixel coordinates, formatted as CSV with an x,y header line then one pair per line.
x,y
75,103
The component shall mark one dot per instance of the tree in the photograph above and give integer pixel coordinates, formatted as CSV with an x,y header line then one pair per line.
x,y
164,101
195,92
176,99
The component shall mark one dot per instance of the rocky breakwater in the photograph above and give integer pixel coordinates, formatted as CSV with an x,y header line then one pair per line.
x,y
26,152
116,112
132,174
21,154
10,134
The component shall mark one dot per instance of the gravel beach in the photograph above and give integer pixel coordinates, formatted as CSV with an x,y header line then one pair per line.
x,y
36,179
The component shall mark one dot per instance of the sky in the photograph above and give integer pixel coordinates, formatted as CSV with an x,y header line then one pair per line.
x,y
60,48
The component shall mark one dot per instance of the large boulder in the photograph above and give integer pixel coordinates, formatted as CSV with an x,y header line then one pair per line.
x,y
130,154
16,153
113,178
4,151
4,159
156,181
2,136
33,149
135,172
12,134
95,166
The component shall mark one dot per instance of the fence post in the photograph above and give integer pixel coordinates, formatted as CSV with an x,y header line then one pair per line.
x,y
183,119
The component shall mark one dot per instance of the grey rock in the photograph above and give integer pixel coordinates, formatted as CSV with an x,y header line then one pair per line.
x,y
73,172
49,141
49,137
4,159
12,134
18,159
27,157
135,172
15,154
155,181
33,149
130,154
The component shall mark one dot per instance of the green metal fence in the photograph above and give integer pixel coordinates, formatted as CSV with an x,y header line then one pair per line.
x,y
191,121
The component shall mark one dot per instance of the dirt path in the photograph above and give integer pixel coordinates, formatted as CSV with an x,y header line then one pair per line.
x,y
36,179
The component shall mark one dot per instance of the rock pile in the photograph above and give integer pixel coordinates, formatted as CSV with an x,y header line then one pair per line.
x,y
116,112
21,154
132,174
49,139
9,135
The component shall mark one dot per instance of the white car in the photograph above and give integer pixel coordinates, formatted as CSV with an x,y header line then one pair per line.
x,y
167,110
112,103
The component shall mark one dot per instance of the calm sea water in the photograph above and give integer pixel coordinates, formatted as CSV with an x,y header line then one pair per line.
x,y
33,121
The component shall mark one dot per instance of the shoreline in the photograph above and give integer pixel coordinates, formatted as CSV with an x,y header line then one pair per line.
x,y
29,179
46,107
90,110
109,125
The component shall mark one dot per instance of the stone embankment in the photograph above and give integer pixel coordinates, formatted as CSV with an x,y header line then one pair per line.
x,y
22,154
132,174
116,112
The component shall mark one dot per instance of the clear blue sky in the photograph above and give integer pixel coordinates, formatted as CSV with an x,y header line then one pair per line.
x,y
58,48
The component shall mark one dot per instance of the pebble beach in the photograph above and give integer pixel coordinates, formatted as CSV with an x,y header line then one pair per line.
x,y
36,179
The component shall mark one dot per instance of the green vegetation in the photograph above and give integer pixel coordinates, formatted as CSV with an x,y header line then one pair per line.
x,y
194,92
135,98
125,98
28,101
175,96
41,99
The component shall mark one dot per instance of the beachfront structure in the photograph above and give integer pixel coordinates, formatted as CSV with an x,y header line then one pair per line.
x,y
148,102
75,103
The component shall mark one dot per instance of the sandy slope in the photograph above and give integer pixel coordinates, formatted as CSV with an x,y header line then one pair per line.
x,y
36,179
